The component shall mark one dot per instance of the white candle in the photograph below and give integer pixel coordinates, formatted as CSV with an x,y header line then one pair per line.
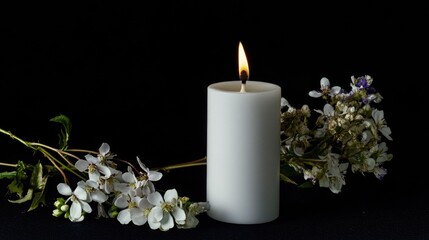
x,y
243,151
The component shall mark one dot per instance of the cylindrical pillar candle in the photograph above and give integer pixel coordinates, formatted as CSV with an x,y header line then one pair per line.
x,y
243,152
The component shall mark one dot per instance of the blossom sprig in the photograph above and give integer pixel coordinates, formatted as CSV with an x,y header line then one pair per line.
x,y
348,134
129,196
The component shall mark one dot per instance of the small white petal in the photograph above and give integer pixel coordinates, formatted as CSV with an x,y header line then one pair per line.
x,y
99,196
86,207
171,195
92,159
144,204
154,175
377,115
64,189
105,170
335,90
328,110
92,184
128,177
167,222
324,83
156,214
104,149
124,216
386,132
154,225
284,102
315,94
137,216
80,193
75,210
179,215
155,198
121,201
120,187
141,164
318,111
94,175
81,165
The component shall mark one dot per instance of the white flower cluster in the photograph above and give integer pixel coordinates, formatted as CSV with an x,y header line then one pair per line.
x,y
346,133
131,195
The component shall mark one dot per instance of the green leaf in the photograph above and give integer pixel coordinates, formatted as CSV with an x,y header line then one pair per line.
x,y
37,176
27,197
65,133
8,175
39,197
306,185
16,187
287,179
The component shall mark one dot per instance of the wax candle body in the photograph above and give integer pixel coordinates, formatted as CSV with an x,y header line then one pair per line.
x,y
243,152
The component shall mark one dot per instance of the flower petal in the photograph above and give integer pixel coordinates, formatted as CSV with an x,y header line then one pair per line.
x,y
121,201
124,216
75,210
171,195
179,215
64,189
335,90
141,164
324,83
81,165
80,193
86,207
386,132
167,222
104,149
315,94
328,110
128,177
155,198
92,159
137,216
154,175
156,214
99,196
105,170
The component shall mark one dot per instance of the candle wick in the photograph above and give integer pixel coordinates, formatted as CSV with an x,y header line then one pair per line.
x,y
243,88
243,77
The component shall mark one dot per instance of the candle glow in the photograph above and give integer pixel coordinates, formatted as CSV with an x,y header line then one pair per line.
x,y
243,67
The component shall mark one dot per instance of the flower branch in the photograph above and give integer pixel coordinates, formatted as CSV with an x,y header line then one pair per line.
x,y
348,134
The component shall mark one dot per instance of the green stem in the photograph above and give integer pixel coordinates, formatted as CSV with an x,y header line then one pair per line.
x,y
44,150
199,162
18,139
8,165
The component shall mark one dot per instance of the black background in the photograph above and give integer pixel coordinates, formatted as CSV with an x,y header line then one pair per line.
x,y
135,76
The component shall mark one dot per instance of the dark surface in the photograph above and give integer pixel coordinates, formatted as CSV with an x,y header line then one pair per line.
x,y
136,78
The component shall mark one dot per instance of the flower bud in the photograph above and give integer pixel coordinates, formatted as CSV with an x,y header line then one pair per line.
x,y
57,204
57,213
64,208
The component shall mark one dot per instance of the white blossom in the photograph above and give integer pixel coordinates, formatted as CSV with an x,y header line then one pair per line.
x,y
79,199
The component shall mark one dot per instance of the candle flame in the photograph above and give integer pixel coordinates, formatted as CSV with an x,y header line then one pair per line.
x,y
243,66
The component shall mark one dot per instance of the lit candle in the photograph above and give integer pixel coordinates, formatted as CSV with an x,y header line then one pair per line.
x,y
243,149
